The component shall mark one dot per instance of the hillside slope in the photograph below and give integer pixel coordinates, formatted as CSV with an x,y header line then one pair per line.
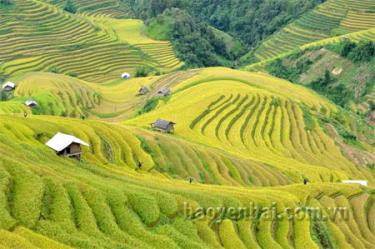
x,y
255,118
343,71
261,118
253,162
334,17
51,202
36,36
107,8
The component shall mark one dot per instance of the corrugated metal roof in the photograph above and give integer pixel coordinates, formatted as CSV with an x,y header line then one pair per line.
x,y
60,141
125,75
162,124
9,85
31,103
164,92
143,90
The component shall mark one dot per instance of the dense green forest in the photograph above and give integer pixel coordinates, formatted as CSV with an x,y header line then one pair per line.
x,y
188,24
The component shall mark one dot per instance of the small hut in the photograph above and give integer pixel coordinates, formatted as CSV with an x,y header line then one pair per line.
x,y
163,126
9,86
31,103
143,90
164,92
125,76
66,145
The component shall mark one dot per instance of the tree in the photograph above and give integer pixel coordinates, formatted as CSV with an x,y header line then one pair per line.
x,y
70,7
364,51
143,71
6,2
347,47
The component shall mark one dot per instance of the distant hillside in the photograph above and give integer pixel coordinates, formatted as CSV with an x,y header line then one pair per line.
x,y
248,22
36,36
108,8
332,18
344,72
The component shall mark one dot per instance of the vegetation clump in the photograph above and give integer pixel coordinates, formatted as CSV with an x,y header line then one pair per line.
x,y
6,2
143,71
193,26
70,7
363,51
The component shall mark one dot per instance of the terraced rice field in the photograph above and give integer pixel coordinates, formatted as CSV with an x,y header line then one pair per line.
x,y
334,17
41,37
256,117
247,140
131,32
265,125
51,202
234,130
62,95
108,8
58,95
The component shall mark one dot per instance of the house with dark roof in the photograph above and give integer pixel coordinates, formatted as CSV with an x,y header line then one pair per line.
x,y
31,103
163,126
164,92
125,76
143,90
9,86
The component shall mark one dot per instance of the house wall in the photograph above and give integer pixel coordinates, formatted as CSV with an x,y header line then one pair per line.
x,y
72,149
75,148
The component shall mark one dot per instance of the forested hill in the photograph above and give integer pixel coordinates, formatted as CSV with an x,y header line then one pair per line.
x,y
203,32
247,22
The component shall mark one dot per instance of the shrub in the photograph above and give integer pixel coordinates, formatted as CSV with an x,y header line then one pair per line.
x,y
143,71
364,51
346,47
70,7
6,2
4,95
73,74
150,105
278,69
53,70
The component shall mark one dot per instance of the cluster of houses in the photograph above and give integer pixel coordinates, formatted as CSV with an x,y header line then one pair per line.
x,y
160,124
163,92
10,86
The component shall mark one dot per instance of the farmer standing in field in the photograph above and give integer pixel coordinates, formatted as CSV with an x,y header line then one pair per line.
x,y
305,181
191,179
